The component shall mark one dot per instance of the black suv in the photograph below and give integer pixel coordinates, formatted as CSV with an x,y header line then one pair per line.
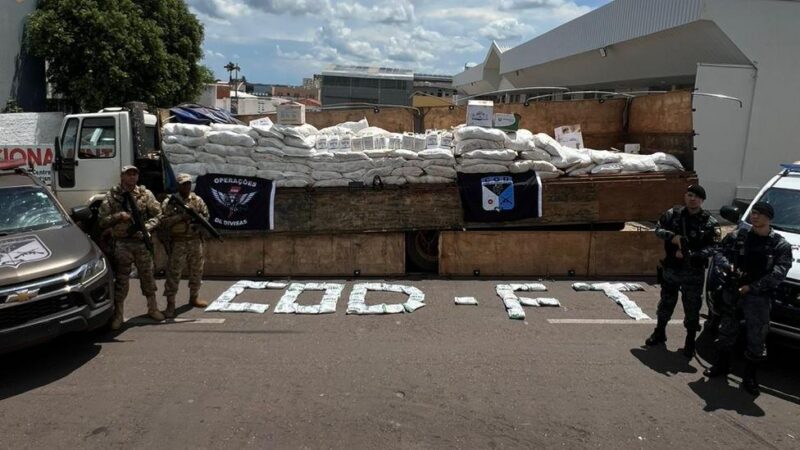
x,y
53,278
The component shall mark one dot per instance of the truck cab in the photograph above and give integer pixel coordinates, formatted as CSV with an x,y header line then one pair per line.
x,y
92,148
783,193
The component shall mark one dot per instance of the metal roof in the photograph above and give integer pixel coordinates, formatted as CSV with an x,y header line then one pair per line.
x,y
618,21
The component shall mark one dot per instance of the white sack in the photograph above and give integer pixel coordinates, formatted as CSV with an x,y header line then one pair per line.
x,y
476,144
535,154
240,160
665,159
483,168
190,168
226,150
209,158
182,158
428,179
441,171
473,132
232,169
604,157
528,165
230,138
294,182
177,148
407,172
341,182
503,155
188,141
547,143
607,169
283,167
519,140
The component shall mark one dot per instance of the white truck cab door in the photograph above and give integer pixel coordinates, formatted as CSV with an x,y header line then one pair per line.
x,y
89,162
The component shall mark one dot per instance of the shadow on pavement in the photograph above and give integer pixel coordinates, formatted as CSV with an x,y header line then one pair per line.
x,y
777,376
28,369
718,393
663,361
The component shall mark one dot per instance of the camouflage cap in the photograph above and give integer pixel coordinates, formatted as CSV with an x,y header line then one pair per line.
x,y
184,178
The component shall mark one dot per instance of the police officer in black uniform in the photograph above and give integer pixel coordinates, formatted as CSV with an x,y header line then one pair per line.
x,y
690,236
755,260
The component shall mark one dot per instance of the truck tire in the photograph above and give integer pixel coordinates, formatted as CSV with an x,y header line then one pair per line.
x,y
422,251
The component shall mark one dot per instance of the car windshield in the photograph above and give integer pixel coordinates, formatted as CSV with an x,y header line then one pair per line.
x,y
27,208
786,203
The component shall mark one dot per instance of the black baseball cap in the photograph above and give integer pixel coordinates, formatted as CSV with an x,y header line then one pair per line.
x,y
697,190
765,209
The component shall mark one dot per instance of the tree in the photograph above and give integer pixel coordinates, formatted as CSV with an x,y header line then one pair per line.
x,y
106,53
207,75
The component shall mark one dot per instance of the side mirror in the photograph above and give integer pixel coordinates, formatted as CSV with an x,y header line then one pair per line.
x,y
730,213
81,214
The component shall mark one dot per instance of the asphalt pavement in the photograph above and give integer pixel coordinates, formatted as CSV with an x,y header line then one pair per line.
x,y
445,376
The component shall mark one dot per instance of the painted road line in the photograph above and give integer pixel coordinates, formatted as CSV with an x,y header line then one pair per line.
x,y
148,321
612,321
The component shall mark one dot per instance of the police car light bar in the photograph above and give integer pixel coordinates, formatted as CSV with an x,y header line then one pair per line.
x,y
791,167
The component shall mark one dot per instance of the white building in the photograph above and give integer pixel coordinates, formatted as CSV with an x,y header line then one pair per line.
x,y
749,49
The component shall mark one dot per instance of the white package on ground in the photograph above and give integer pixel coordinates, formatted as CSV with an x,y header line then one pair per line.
x,y
358,303
614,291
288,303
466,301
512,303
224,303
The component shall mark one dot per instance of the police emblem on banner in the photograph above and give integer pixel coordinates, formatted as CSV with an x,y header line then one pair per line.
x,y
237,203
20,250
500,197
498,193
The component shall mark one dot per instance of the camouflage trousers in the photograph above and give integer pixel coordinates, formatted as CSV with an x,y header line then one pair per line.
x,y
755,309
127,253
689,283
189,255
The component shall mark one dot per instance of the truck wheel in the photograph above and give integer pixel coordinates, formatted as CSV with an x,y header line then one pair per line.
x,y
422,251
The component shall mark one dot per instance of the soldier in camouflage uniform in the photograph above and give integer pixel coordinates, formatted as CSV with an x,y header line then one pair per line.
x,y
186,241
756,260
690,235
129,247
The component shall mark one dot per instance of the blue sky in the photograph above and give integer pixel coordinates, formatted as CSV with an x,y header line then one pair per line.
x,y
283,41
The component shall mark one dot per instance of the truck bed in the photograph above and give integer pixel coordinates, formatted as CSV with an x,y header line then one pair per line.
x,y
585,200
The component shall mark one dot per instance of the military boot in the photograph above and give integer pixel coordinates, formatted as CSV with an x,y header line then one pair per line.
x,y
749,380
117,320
659,336
689,344
169,313
196,302
721,367
152,309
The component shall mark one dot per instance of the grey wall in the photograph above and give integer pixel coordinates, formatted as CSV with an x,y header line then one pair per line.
x,y
21,76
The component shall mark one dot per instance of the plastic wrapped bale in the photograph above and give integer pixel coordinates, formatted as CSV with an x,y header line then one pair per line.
x,y
240,129
632,163
240,160
606,169
283,167
319,175
476,161
195,169
407,172
178,148
601,157
210,158
226,150
339,182
535,154
665,159
271,142
232,169
429,179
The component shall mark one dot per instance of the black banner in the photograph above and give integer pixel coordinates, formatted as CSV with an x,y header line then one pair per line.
x,y
237,203
500,197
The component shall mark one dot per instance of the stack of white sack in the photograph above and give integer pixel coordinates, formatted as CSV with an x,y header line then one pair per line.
x,y
487,150
299,156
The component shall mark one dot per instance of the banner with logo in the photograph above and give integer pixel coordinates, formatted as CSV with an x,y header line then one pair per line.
x,y
500,197
238,203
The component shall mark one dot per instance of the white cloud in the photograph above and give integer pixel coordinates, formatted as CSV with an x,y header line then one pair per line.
x,y
388,11
504,29
431,35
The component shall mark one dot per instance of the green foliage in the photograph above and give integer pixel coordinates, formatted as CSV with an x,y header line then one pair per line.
x,y
106,53
207,75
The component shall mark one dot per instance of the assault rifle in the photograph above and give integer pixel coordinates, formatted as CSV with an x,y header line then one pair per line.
x,y
138,223
195,217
